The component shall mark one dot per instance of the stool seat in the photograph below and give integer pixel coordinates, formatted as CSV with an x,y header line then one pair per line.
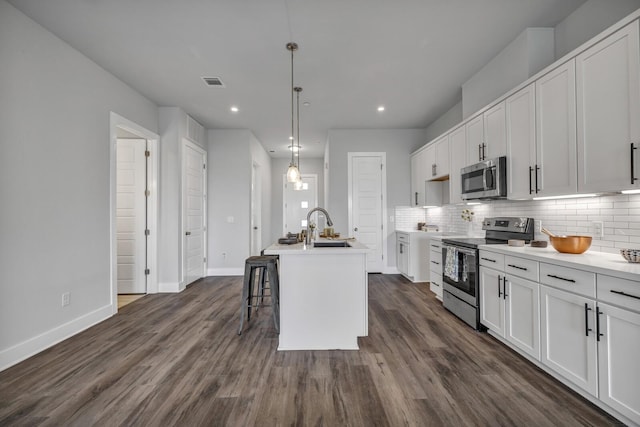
x,y
266,267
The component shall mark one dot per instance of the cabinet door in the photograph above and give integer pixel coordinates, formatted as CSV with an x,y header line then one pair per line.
x,y
618,352
495,132
457,160
568,343
475,139
402,256
430,161
608,81
491,300
556,131
418,171
521,143
442,157
522,315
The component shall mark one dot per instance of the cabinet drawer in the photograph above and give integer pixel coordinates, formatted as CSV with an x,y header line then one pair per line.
x,y
402,237
621,292
521,267
435,262
492,260
570,279
435,246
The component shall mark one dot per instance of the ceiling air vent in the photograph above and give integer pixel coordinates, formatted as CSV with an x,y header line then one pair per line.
x,y
213,81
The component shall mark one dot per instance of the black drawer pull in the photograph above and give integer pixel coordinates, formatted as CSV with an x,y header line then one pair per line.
x,y
518,267
625,294
561,278
587,309
488,259
436,263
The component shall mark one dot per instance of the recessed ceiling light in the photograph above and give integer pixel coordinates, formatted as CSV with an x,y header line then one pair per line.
x,y
291,138
234,109
381,109
294,148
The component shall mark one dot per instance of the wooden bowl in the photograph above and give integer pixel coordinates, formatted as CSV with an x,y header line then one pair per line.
x,y
570,244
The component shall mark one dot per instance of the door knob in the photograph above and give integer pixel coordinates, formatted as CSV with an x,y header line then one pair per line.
x,y
188,233
255,228
355,229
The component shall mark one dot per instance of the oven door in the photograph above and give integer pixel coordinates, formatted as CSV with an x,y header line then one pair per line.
x,y
460,272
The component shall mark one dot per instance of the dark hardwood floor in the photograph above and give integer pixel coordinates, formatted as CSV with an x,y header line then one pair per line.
x,y
177,360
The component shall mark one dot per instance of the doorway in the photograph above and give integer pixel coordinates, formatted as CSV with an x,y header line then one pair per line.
x,y
367,204
297,203
133,209
194,216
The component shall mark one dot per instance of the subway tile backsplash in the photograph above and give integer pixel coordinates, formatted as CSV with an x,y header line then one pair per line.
x,y
619,214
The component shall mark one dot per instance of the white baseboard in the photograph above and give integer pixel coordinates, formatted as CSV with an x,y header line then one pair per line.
x,y
390,270
32,346
169,287
225,272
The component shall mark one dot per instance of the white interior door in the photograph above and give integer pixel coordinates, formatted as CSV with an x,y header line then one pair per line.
x,y
131,216
194,196
297,203
256,211
366,185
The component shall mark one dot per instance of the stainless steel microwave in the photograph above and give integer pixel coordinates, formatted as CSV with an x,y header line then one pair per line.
x,y
485,180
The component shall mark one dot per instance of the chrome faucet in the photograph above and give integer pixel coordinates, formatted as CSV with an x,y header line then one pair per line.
x,y
307,238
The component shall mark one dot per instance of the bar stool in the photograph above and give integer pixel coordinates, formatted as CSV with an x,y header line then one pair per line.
x,y
266,267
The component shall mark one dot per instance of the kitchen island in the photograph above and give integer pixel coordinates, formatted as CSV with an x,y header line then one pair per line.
x,y
323,295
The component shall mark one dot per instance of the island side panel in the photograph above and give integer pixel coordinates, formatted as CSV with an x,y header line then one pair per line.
x,y
323,301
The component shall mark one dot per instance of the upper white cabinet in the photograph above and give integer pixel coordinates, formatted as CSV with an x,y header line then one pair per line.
x,y
457,160
555,172
438,158
486,135
608,93
521,143
418,177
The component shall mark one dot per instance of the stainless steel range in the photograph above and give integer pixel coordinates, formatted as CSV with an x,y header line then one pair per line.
x,y
461,280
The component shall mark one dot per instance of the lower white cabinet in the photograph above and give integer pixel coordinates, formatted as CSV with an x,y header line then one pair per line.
x,y
403,246
618,351
412,255
509,307
435,267
569,345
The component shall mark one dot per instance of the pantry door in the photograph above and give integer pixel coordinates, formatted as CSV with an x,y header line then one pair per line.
x,y
367,198
194,212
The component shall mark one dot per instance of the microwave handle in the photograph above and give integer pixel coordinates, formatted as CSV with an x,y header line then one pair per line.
x,y
488,175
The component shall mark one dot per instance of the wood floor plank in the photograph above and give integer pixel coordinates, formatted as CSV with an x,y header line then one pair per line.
x,y
177,360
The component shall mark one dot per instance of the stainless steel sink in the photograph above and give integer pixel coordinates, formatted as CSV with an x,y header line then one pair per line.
x,y
332,244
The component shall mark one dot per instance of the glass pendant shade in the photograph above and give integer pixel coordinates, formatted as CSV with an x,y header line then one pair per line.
x,y
298,185
293,174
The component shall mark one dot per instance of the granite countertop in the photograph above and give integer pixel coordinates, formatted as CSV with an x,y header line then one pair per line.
x,y
596,262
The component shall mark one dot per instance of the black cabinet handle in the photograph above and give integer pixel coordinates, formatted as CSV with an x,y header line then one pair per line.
x,y
488,259
504,287
625,294
598,313
518,267
436,263
484,153
537,169
416,198
530,180
499,291
561,278
633,178
479,152
587,309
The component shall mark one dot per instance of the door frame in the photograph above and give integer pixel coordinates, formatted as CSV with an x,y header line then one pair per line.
x,y
116,121
383,172
255,218
183,206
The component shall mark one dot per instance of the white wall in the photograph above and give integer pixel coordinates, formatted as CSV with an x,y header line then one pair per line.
x,y
445,122
231,153
398,144
54,185
279,169
590,19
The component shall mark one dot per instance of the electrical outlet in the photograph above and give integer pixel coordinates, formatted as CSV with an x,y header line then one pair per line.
x,y
65,299
597,228
537,225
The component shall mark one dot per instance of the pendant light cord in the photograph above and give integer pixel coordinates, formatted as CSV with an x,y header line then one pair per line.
x,y
292,134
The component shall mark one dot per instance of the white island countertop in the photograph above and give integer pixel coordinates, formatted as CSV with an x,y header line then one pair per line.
x,y
302,249
596,262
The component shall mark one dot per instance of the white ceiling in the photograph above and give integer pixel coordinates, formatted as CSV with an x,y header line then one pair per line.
x,y
409,55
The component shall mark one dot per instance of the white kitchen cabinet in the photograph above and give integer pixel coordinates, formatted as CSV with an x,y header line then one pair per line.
x,y
437,159
412,255
435,266
418,177
510,305
495,141
568,337
555,172
521,143
618,350
608,94
457,160
475,139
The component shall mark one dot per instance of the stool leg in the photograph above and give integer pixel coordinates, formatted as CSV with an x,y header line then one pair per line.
x,y
261,279
245,294
274,285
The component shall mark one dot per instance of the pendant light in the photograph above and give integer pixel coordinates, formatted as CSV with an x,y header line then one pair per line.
x,y
298,183
293,173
